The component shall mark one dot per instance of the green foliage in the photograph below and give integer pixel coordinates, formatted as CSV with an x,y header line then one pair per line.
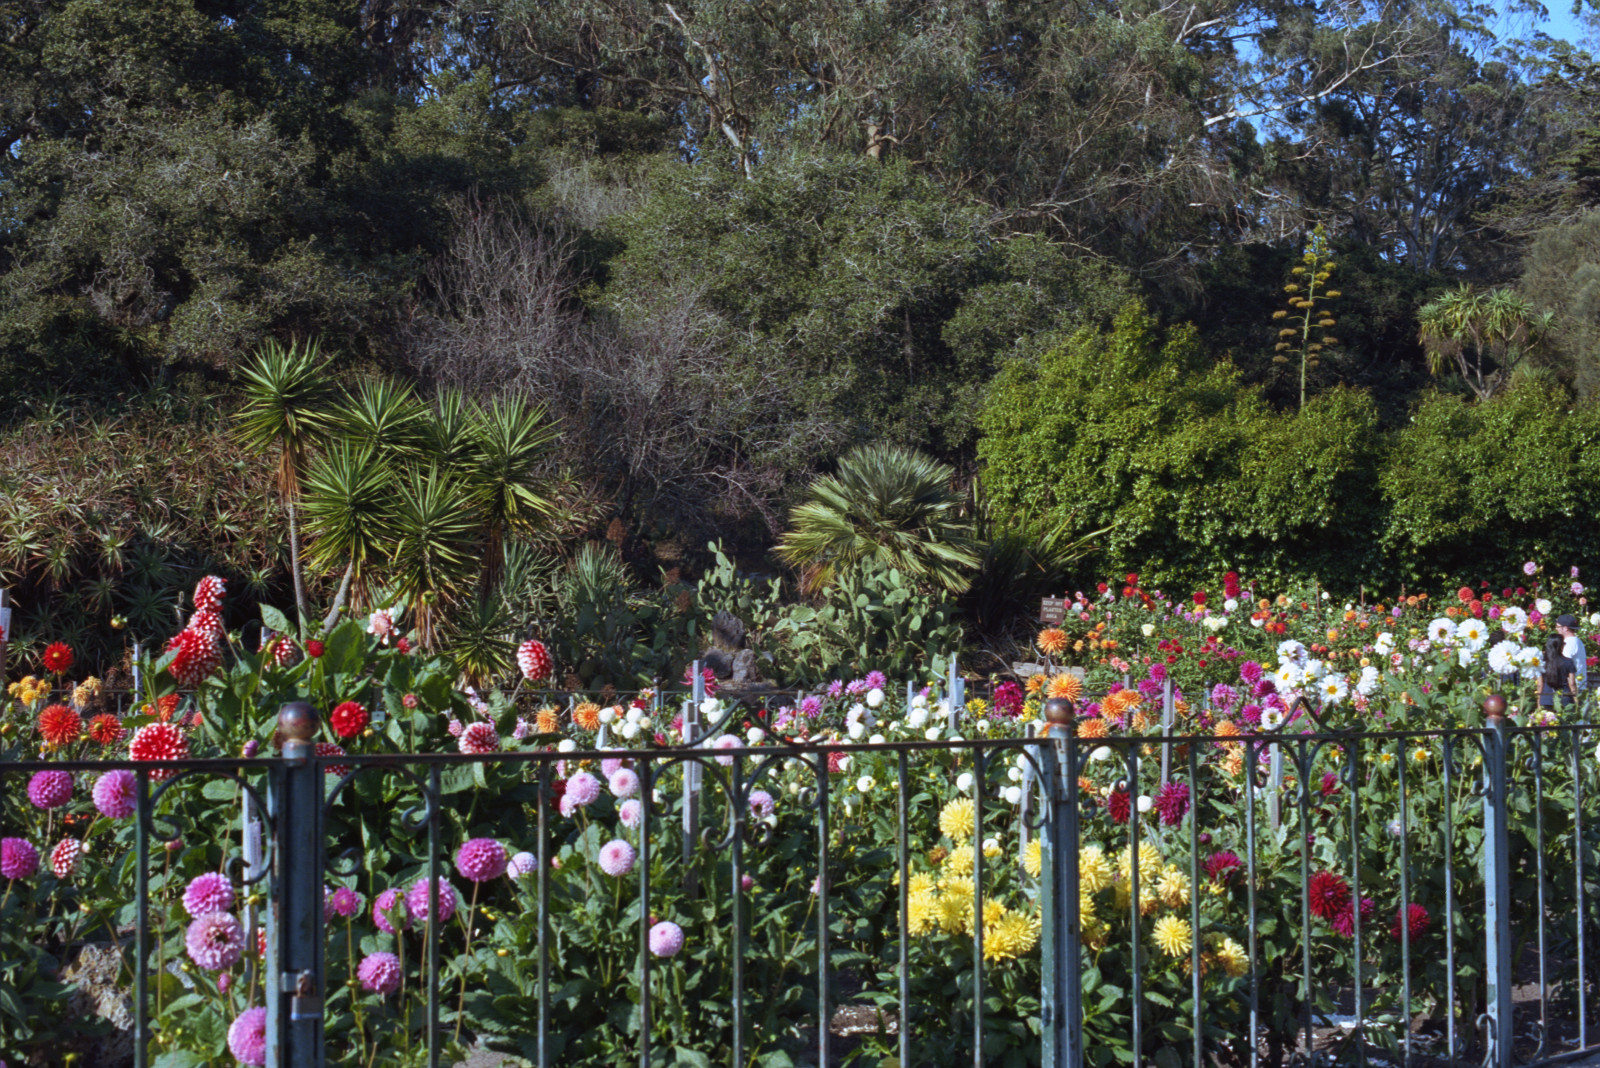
x,y
1561,274
885,506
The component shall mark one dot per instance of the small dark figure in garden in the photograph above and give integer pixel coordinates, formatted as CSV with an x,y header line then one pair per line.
x,y
1558,675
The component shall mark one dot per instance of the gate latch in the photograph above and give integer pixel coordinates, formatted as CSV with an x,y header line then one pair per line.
x,y
306,1004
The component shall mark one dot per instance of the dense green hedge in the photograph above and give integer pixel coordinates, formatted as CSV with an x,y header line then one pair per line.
x,y
1136,428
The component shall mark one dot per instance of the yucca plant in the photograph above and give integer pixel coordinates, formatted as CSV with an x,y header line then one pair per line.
x,y
892,506
514,441
287,405
435,545
349,501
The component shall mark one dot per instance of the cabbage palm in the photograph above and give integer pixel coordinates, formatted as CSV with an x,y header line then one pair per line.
x,y
435,545
348,494
1485,335
890,505
513,443
385,415
287,403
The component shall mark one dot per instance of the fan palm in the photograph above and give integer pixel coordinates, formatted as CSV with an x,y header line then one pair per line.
x,y
886,504
349,505
435,545
287,403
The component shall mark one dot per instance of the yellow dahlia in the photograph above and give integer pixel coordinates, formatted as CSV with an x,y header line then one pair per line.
x,y
922,913
1173,936
921,883
1232,957
547,721
1094,871
955,907
1149,863
1173,887
957,819
1033,858
1052,641
1011,936
959,862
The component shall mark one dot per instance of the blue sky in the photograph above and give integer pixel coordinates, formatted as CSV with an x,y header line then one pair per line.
x,y
1561,22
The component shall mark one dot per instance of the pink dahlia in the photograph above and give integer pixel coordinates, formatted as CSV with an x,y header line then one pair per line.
x,y
624,783
582,789
389,912
158,741
215,941
666,939
534,660
1344,924
761,803
50,789
616,858
380,624
481,859
346,902
379,973
417,900
521,864
1118,806
479,738
116,794
208,893
64,857
208,594
727,741
18,858
247,1038
631,813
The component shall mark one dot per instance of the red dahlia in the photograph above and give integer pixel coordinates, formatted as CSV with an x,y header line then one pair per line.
x,y
534,660
314,647
284,652
106,729
158,741
197,656
59,724
479,738
208,594
206,622
1416,921
1219,864
349,719
167,706
328,749
1118,806
1328,895
58,658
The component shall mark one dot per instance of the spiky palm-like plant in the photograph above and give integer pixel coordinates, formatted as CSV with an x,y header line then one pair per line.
x,y
435,545
1483,336
514,442
288,402
349,501
383,415
890,505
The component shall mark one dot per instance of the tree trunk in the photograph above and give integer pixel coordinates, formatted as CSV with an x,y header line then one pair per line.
x,y
302,610
339,601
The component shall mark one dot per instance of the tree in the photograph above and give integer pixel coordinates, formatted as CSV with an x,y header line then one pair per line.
x,y
891,506
287,402
1482,335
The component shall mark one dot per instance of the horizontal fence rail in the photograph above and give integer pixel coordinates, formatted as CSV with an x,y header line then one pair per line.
x,y
1261,899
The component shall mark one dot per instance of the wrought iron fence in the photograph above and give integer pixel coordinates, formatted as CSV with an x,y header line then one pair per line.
x,y
1166,900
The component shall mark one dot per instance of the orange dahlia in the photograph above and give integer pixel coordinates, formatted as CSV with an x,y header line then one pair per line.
x,y
166,706
1093,727
1036,683
1226,729
547,721
59,724
58,658
1052,641
1140,720
1068,686
1117,705
587,716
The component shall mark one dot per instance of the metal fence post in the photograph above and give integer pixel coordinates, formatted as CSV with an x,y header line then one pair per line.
x,y
1061,1011
1496,888
693,773
294,975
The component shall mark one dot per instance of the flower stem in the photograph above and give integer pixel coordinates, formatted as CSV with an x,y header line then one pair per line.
x,y
461,1003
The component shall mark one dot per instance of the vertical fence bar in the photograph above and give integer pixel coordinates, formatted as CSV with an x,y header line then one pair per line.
x,y
294,978
1352,780
1061,1011
544,914
1405,900
1194,905
903,859
434,929
977,906
1251,759
1497,893
1577,876
824,1019
740,817
1302,771
646,798
1137,1006
1537,741
693,731
1168,712
141,943
1449,900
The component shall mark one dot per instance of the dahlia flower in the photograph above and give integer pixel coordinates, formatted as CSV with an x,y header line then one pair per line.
x,y
345,902
624,783
208,893
379,973
1172,803
328,749
481,859
521,864
59,724
479,738
18,858
666,939
50,789
348,719
583,789
197,656
417,900
1328,895
106,729
616,858
64,857
208,594
215,941
534,660
630,813
247,1037
389,910
57,658
380,624
1415,919
116,793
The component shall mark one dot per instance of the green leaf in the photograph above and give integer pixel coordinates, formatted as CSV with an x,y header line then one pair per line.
x,y
275,620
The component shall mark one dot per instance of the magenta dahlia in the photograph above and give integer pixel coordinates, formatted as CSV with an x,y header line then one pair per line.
x,y
346,902
481,859
247,1037
208,893
50,789
18,858
1328,895
389,912
116,794
379,973
215,941
1220,863
417,900
1416,921
1172,803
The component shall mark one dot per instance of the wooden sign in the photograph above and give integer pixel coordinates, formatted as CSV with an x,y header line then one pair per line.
x,y
1052,611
